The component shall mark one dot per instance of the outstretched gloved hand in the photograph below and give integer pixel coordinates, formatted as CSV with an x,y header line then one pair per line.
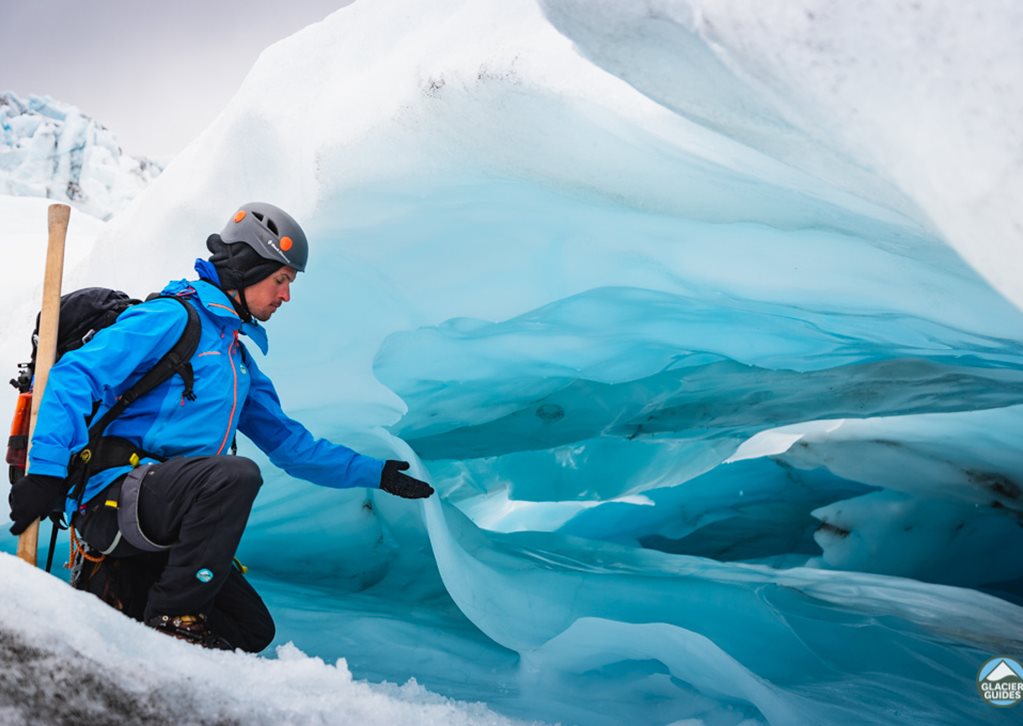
x,y
394,482
33,497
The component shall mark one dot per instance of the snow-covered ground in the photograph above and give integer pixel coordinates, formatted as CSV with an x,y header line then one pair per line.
x,y
704,321
66,657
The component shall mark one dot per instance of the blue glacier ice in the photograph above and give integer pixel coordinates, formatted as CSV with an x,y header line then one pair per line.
x,y
704,320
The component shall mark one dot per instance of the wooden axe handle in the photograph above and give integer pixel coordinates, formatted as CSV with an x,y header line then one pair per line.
x,y
58,216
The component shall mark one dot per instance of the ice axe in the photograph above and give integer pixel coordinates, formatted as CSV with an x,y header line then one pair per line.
x,y
57,217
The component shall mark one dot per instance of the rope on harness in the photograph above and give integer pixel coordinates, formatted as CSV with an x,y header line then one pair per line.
x,y
78,549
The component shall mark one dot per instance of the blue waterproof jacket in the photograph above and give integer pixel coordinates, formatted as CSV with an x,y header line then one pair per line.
x,y
231,394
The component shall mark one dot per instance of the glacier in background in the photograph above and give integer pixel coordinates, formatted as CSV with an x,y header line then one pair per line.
x,y
704,321
51,149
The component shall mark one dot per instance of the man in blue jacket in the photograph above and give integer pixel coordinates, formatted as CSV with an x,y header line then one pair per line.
x,y
164,500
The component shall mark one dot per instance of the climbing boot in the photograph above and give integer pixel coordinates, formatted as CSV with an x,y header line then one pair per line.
x,y
192,628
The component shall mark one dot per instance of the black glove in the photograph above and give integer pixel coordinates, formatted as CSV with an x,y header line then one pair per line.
x,y
394,482
33,497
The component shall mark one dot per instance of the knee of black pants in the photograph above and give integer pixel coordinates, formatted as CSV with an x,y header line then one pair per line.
x,y
258,638
252,635
240,615
241,473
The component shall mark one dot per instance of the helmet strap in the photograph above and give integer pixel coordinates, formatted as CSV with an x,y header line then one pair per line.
x,y
241,305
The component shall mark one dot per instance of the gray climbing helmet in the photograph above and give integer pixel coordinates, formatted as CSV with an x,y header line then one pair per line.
x,y
271,232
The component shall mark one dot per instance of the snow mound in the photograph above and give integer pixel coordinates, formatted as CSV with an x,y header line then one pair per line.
x,y
67,657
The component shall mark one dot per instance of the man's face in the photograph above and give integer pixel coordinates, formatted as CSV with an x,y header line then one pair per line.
x,y
270,293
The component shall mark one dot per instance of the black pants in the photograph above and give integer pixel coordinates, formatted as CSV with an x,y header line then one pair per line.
x,y
199,506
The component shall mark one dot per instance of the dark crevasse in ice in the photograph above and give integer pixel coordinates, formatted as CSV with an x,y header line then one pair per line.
x,y
638,458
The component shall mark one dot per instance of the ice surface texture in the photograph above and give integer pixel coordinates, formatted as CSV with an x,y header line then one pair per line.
x,y
50,149
669,301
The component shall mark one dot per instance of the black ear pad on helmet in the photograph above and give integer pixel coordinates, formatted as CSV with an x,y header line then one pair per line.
x,y
238,264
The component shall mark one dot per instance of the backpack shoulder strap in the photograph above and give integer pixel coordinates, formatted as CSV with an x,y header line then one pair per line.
x,y
176,360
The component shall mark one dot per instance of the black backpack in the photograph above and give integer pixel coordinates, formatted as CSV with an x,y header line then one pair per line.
x,y
83,313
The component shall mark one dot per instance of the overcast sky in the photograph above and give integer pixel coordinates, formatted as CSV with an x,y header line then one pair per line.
x,y
155,73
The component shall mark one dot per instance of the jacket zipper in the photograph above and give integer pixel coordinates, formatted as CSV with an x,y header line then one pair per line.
x,y
234,394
